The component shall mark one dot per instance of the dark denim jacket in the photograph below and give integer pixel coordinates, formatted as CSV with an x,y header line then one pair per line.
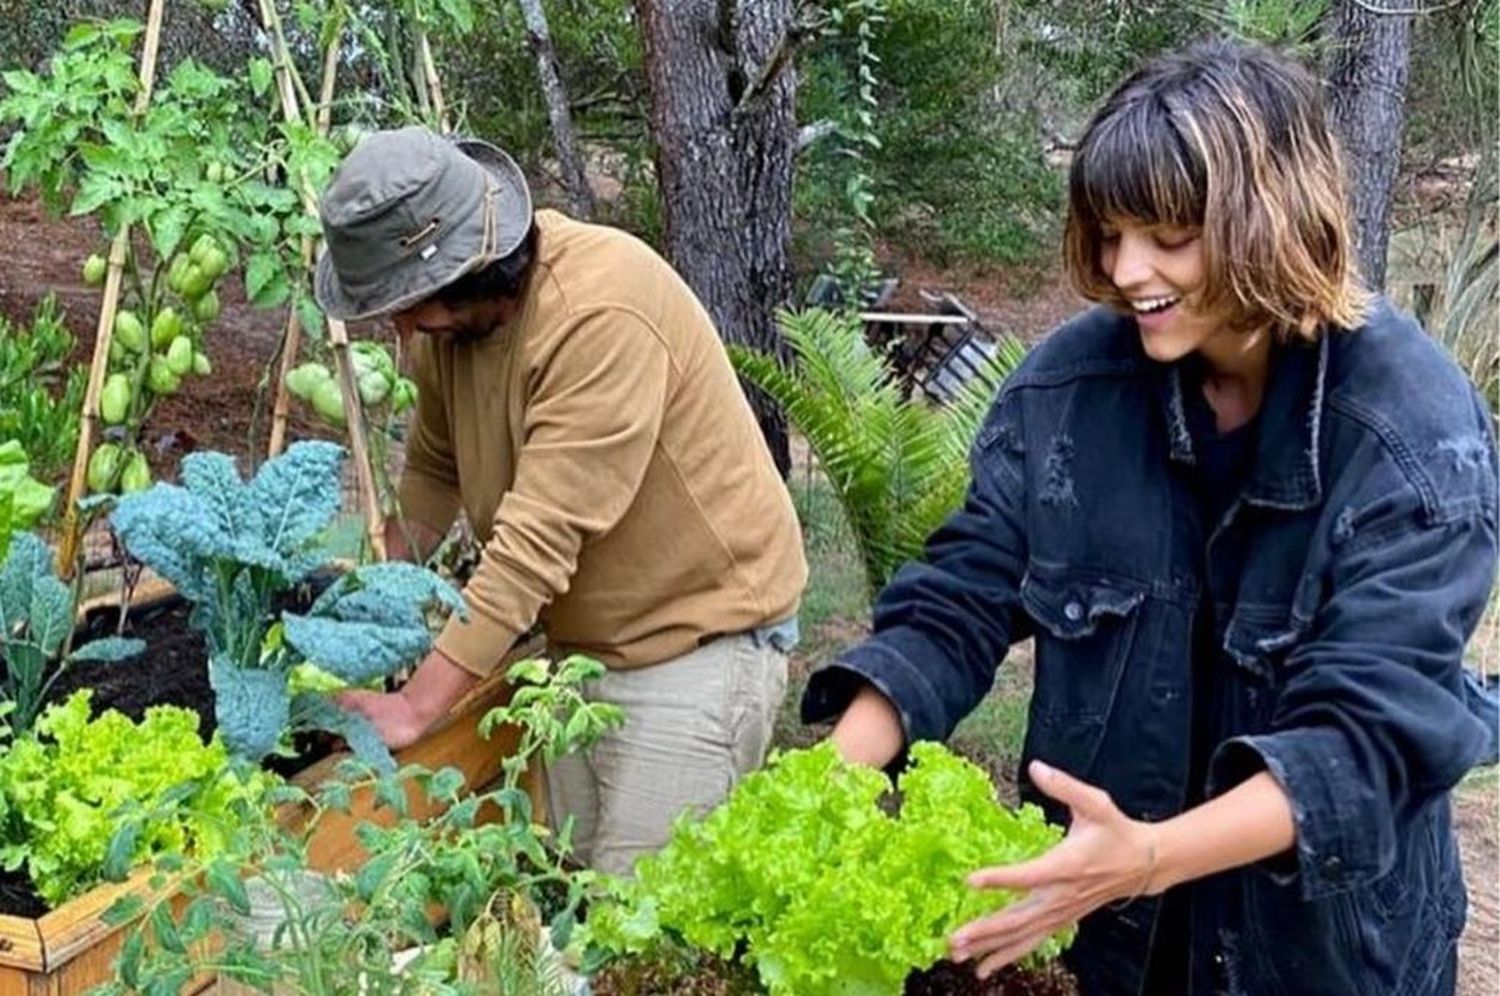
x,y
1346,579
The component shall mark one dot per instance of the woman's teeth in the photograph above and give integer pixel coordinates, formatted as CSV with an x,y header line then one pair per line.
x,y
1151,305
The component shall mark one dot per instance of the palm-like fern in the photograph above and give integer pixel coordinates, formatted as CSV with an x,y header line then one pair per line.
x,y
899,466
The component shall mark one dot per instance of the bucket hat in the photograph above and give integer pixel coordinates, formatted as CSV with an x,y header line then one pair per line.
x,y
408,212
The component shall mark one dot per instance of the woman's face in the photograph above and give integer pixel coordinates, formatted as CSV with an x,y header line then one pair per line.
x,y
1161,271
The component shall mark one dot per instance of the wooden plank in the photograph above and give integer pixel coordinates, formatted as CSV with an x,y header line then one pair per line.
x,y
20,945
76,929
456,744
896,318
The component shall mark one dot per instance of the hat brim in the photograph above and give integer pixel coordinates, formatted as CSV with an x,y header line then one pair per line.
x,y
511,215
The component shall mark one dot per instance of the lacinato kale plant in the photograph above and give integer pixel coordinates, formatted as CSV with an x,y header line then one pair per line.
x,y
36,618
803,875
234,548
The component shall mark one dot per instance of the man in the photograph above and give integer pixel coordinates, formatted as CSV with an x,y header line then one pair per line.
x,y
575,401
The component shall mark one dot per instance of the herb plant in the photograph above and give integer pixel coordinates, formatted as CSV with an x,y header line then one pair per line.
x,y
87,799
485,882
36,620
805,875
41,393
235,549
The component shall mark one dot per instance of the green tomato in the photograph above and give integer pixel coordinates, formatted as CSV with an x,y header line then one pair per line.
x,y
328,400
206,309
166,326
177,270
137,474
161,378
403,395
94,269
180,355
302,380
104,465
114,399
214,172
373,387
130,331
201,366
195,282
202,246
215,261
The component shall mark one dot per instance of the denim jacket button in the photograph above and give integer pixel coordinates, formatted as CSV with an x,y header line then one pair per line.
x,y
1073,610
1333,865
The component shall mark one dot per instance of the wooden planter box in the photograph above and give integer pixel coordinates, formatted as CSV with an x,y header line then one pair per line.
x,y
71,949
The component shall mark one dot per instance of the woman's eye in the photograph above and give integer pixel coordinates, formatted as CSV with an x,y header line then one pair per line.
x,y
1175,240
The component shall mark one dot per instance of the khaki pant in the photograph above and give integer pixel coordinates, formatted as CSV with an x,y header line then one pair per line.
x,y
694,725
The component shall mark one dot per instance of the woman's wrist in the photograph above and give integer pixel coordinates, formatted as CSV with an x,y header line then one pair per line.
x,y
869,732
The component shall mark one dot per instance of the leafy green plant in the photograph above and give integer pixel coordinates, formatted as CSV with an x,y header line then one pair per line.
x,y
191,171
36,624
23,499
336,934
234,548
88,799
40,392
805,875
898,465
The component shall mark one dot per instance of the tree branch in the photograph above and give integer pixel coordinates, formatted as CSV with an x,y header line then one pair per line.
x,y
798,31
1406,11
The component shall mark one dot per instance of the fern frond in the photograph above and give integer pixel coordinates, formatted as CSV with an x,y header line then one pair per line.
x,y
898,466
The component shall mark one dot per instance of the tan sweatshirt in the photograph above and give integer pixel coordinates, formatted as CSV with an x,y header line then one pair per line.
x,y
608,460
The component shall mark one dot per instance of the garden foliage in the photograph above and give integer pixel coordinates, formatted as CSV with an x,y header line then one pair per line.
x,y
494,873
806,876
41,393
84,800
898,465
23,499
36,620
235,548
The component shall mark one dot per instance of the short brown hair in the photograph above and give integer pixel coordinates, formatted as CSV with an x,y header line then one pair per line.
x,y
1231,139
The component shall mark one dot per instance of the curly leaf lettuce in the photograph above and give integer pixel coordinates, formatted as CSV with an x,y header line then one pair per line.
x,y
804,875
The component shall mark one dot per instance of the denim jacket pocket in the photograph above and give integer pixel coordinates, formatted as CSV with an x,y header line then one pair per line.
x,y
1086,624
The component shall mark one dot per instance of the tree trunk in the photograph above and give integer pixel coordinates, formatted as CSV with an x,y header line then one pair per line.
x,y
722,96
580,197
1369,64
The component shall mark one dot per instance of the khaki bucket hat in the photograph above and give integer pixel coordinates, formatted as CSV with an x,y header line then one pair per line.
x,y
408,212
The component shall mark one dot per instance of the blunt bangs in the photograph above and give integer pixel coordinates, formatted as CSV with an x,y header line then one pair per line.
x,y
1137,166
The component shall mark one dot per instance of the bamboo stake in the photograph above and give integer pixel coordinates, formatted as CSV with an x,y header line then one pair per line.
x,y
67,552
338,334
291,339
434,85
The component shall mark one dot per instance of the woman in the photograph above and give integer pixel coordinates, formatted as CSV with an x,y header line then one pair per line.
x,y
1249,514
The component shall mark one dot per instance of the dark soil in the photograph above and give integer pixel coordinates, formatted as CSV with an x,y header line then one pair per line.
x,y
947,979
173,670
711,977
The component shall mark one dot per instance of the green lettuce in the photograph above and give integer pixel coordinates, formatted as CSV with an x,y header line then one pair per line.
x,y
804,875
83,787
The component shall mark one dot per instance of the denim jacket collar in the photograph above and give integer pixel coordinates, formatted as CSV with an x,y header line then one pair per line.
x,y
1291,415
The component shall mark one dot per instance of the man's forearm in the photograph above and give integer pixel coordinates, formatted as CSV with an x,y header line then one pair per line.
x,y
436,685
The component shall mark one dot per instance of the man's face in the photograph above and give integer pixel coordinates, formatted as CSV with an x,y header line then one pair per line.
x,y
465,322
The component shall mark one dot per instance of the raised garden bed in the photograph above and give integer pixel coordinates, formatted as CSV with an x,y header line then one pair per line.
x,y
67,950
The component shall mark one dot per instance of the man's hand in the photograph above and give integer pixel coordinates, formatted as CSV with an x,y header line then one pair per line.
x,y
402,717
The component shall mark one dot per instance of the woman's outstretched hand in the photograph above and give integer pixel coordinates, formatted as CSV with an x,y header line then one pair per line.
x,y
1105,857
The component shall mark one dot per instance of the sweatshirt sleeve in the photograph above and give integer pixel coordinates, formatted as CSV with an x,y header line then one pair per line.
x,y
597,394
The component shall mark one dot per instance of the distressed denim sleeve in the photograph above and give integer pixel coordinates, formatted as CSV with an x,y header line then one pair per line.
x,y
1371,722
944,622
